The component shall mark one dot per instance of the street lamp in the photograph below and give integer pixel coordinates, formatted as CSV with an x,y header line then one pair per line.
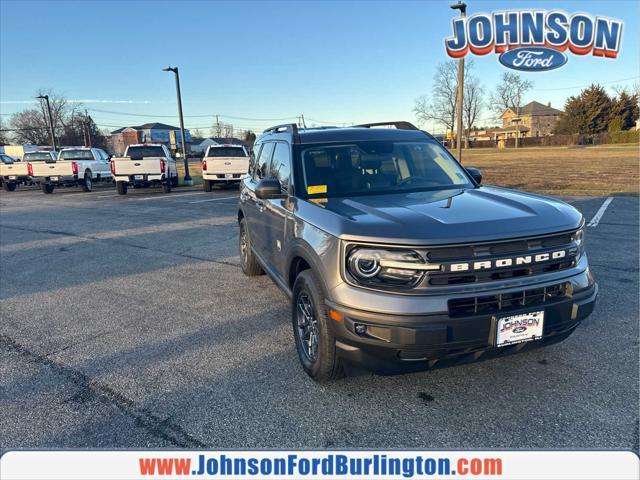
x,y
463,10
187,177
51,131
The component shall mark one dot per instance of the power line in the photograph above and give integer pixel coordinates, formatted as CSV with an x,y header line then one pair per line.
x,y
584,86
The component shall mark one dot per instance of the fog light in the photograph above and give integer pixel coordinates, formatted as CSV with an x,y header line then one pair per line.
x,y
360,329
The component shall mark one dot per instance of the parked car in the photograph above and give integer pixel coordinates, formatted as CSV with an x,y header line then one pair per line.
x,y
77,166
224,164
145,165
396,258
13,173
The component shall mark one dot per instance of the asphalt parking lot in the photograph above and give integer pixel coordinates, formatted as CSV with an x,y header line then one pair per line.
x,y
127,322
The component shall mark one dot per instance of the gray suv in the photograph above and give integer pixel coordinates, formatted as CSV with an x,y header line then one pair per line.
x,y
397,259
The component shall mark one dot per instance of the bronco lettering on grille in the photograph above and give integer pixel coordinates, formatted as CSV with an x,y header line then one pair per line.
x,y
505,262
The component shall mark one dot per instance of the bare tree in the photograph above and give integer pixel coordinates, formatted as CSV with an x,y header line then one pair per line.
x,y
472,104
509,93
228,130
4,133
441,107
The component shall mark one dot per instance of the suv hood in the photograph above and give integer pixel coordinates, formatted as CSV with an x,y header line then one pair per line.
x,y
441,217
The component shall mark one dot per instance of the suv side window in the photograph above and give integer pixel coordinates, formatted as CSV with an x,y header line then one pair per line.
x,y
263,161
281,165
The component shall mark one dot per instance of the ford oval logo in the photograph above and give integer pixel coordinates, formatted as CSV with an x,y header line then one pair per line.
x,y
519,329
533,59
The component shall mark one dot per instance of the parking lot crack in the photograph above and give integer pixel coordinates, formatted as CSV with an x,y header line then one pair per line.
x,y
155,425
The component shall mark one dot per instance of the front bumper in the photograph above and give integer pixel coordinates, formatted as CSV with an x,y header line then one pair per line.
x,y
400,343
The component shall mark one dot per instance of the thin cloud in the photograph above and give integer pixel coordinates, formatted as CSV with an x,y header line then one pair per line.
x,y
81,100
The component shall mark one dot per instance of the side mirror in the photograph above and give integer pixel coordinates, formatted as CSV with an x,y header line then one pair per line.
x,y
476,174
268,188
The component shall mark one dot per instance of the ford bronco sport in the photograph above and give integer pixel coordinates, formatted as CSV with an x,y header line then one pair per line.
x,y
396,258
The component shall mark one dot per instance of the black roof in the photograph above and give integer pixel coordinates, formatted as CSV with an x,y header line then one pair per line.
x,y
346,134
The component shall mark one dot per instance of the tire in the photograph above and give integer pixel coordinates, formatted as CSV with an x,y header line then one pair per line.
x,y
174,181
206,185
9,187
46,188
121,187
248,261
309,320
166,186
87,184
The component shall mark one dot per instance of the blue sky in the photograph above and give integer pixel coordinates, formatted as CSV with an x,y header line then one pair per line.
x,y
336,62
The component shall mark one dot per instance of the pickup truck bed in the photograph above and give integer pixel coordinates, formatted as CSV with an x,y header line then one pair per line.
x,y
11,174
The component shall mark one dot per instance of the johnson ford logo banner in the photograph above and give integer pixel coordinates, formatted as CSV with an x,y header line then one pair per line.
x,y
534,40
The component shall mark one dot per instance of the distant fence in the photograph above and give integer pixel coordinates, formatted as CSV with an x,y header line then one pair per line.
x,y
629,136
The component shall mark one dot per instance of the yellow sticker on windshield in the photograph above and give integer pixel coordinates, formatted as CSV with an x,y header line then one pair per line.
x,y
313,189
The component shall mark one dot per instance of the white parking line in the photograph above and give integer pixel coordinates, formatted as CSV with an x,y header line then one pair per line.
x,y
598,216
112,195
169,196
214,199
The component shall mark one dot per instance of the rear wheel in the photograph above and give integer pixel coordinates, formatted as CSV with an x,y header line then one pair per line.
x,y
46,188
121,187
315,342
206,185
166,186
248,261
87,184
9,187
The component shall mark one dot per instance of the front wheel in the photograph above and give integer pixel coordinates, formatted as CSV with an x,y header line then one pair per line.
x,y
46,188
121,187
9,187
315,342
248,260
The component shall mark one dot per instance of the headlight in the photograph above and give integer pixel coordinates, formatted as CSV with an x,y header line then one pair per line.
x,y
578,238
390,268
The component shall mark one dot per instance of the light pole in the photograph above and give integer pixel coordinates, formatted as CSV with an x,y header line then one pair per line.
x,y
51,131
463,10
517,121
187,177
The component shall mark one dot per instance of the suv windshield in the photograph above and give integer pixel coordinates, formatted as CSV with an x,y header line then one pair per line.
x,y
37,156
375,167
142,152
76,155
226,152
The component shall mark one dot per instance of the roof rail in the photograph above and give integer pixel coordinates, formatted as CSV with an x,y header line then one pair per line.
x,y
400,125
286,127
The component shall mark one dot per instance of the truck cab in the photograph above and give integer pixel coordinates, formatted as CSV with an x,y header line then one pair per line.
x,y
224,165
145,165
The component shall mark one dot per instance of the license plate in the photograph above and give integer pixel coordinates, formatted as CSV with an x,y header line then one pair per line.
x,y
138,177
228,175
54,179
12,177
520,328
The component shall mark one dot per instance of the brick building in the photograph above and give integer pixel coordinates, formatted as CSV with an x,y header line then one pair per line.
x,y
537,119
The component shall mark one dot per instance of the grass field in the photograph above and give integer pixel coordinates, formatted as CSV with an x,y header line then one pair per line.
x,y
597,170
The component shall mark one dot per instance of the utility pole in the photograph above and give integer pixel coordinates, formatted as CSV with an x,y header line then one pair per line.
x,y
463,10
51,130
187,177
218,129
517,122
86,128
304,124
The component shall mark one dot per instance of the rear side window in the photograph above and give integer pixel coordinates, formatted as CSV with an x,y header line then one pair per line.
x,y
6,159
226,152
281,165
263,161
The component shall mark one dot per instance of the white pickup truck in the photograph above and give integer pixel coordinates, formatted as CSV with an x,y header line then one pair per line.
x,y
81,166
13,173
224,164
145,165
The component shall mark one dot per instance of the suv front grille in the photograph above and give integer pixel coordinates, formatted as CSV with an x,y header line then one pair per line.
x,y
504,302
497,250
